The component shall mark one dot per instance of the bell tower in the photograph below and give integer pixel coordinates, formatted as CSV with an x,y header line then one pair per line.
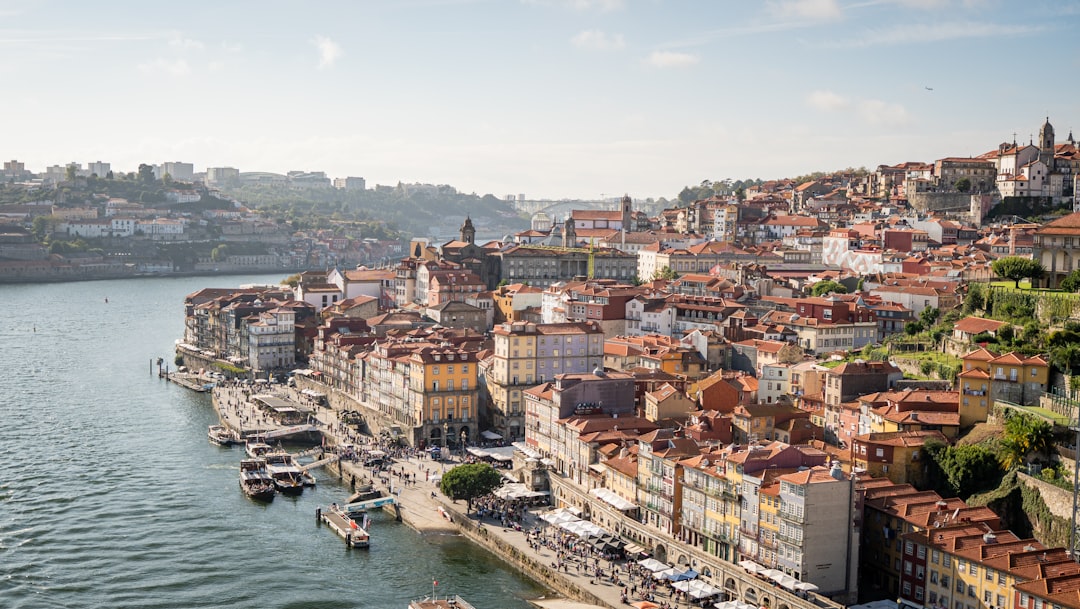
x,y
569,235
627,213
468,231
1046,142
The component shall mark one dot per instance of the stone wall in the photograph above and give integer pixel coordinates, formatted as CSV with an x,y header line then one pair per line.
x,y
939,201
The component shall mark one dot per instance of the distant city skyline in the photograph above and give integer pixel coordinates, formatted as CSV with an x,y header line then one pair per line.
x,y
550,98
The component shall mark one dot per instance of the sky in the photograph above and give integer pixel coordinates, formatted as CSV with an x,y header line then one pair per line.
x,y
547,98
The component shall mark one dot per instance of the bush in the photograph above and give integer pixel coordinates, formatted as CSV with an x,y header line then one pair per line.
x,y
926,367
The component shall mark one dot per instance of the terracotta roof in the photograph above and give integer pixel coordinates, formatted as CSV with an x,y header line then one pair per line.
x,y
978,325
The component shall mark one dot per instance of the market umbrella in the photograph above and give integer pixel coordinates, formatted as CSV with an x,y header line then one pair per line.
x,y
806,587
644,605
685,575
653,565
750,566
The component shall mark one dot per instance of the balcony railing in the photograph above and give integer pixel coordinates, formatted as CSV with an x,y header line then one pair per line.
x,y
792,516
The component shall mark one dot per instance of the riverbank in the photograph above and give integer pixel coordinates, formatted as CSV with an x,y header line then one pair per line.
x,y
412,478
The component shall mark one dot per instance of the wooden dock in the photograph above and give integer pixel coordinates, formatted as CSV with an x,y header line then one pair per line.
x,y
344,526
188,381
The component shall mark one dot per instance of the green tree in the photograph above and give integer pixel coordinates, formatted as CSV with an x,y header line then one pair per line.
x,y
219,253
146,173
859,286
1071,283
929,316
666,273
42,227
1024,435
1017,268
962,185
967,469
828,286
70,172
469,482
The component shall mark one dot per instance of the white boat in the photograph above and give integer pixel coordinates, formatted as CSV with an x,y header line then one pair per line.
x,y
446,602
287,475
222,436
257,450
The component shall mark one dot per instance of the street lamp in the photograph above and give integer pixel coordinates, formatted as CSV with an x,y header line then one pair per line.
x,y
445,432
463,435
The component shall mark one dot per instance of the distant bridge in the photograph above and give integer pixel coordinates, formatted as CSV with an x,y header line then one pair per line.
x,y
559,209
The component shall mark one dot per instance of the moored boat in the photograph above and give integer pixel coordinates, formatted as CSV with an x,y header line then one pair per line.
x,y
255,481
257,450
222,436
447,602
287,475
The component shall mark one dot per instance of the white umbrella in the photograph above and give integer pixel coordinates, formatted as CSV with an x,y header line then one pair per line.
x,y
806,587
750,566
668,573
699,589
683,586
786,581
653,565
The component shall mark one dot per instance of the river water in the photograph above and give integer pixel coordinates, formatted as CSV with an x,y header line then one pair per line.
x,y
111,495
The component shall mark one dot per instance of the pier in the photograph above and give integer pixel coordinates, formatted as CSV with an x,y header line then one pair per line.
x,y
343,525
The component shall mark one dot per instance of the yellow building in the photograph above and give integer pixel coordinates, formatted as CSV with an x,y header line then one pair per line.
x,y
443,394
1013,377
768,524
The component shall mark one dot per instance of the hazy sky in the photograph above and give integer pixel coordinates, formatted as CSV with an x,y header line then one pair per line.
x,y
551,98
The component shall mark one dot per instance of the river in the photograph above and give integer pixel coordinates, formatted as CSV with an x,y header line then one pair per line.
x,y
112,496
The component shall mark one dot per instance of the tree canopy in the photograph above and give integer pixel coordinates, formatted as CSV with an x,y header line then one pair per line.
x,y
1024,434
966,469
1071,283
1017,268
469,482
828,286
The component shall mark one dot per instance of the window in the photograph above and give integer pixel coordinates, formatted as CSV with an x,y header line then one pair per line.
x,y
933,577
935,556
987,597
920,574
435,370
989,575
921,552
945,581
971,591
946,560
959,586
909,548
907,567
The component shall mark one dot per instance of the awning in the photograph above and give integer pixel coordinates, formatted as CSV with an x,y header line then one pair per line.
x,y
490,435
529,451
613,499
633,548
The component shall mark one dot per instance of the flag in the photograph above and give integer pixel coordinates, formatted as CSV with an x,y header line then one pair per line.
x,y
434,582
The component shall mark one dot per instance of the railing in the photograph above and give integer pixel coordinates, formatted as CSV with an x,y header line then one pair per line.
x,y
792,516
974,392
789,538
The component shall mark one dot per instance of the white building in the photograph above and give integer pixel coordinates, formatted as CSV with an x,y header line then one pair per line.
x,y
350,183
98,168
181,172
272,340
649,316
775,381
222,176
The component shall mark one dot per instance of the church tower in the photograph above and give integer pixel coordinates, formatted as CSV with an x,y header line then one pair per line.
x,y
569,235
468,231
627,213
1046,143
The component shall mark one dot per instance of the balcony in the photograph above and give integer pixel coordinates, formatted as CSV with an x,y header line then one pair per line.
x,y
793,517
973,392
789,538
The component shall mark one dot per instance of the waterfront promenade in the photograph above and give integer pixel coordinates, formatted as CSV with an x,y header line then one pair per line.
x,y
412,478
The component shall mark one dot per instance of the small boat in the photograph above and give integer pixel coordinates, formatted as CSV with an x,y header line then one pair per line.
x,y
287,475
256,481
364,492
446,602
222,436
257,450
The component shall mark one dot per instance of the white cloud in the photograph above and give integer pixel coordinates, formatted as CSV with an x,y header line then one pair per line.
x,y
821,10
877,112
186,43
596,39
329,51
178,67
604,6
827,101
671,59
937,32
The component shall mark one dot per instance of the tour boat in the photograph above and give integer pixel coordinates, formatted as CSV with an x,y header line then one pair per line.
x,y
222,436
446,602
256,481
287,475
257,450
